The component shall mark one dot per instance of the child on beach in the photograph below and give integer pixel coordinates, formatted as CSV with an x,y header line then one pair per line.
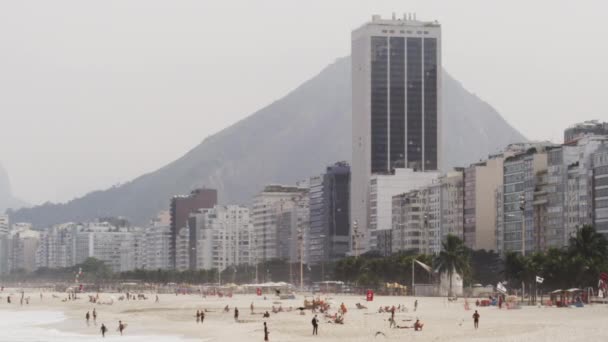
x,y
476,319
266,332
103,330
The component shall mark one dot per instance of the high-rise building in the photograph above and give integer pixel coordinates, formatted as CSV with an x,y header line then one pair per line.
x,y
423,218
396,108
182,207
579,130
329,237
520,180
23,247
268,205
4,244
157,242
221,237
381,191
600,189
481,180
569,181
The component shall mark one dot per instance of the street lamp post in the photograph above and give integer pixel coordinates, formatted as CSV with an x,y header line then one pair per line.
x,y
301,241
522,207
355,237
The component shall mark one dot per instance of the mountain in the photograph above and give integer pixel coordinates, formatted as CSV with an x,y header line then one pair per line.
x,y
7,200
288,140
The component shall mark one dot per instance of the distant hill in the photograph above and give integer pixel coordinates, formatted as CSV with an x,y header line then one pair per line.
x,y
7,200
289,140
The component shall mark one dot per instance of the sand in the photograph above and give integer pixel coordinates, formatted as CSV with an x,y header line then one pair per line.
x,y
175,315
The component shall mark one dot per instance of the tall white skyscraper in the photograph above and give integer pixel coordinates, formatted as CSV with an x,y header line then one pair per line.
x,y
396,85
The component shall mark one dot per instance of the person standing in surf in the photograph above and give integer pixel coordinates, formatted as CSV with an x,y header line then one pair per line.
x,y
266,332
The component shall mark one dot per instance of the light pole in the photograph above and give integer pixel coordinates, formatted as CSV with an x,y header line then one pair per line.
x,y
522,207
255,241
301,241
323,259
355,237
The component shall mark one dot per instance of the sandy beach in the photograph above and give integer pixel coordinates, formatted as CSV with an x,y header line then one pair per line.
x,y
175,316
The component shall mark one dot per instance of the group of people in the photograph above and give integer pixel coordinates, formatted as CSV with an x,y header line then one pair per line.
x,y
200,316
121,326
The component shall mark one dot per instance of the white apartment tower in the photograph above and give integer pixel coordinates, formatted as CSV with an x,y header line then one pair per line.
x,y
396,97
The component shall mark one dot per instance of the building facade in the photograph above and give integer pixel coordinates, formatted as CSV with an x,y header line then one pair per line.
x,y
600,189
157,246
4,244
329,195
381,191
520,230
586,128
268,205
396,96
221,238
481,180
180,210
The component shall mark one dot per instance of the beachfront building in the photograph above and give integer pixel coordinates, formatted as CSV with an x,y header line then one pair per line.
x,y
220,237
570,177
4,244
423,218
268,205
121,249
182,250
23,247
586,128
409,228
520,231
600,189
329,237
481,180
57,246
381,191
180,209
396,114
157,241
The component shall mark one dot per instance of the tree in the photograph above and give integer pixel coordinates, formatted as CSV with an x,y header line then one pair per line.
x,y
454,257
590,249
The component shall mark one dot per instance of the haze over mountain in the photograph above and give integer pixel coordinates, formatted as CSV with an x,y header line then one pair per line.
x,y
7,200
291,139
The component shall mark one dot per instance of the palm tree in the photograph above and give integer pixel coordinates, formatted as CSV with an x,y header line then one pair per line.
x,y
454,257
591,249
589,244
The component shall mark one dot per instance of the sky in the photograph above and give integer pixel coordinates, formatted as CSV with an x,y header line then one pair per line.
x,y
96,93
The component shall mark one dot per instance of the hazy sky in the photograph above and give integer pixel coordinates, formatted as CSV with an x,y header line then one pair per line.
x,y
93,93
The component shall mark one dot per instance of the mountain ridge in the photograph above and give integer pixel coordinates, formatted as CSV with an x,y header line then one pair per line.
x,y
290,139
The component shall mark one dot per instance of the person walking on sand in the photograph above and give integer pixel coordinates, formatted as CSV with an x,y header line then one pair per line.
x,y
236,314
266,332
87,317
251,307
202,316
156,301
415,305
198,316
476,319
315,325
103,330
121,327
94,316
